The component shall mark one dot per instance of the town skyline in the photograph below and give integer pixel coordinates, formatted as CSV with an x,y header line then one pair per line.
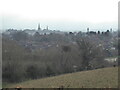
x,y
70,26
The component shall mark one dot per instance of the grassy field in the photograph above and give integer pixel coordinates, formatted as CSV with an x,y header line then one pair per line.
x,y
99,78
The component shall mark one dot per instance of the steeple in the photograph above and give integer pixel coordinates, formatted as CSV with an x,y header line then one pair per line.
x,y
87,29
47,28
111,30
39,27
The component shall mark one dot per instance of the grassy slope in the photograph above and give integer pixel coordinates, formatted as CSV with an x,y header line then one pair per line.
x,y
99,78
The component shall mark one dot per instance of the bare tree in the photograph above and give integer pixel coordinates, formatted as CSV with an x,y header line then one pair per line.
x,y
65,62
88,52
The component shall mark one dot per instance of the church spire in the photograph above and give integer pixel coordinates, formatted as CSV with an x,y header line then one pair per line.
x,y
47,28
39,27
88,30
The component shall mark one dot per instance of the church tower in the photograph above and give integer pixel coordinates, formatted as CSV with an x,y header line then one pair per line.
x,y
111,30
39,27
47,28
88,30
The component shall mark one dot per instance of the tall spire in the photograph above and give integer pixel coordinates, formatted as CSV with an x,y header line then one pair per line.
x,y
111,30
47,28
87,29
39,27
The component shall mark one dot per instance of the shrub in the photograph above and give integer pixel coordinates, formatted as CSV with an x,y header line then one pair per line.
x,y
12,72
49,71
32,71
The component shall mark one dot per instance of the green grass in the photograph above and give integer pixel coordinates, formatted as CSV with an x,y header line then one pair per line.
x,y
99,78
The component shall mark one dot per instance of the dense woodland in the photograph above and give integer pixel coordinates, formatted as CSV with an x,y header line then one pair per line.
x,y
31,57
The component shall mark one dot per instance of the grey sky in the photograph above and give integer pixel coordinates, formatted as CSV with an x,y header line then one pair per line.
x,y
68,15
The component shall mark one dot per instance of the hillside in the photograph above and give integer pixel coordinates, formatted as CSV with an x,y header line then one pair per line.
x,y
99,78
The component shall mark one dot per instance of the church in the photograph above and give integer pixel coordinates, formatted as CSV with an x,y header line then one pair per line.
x,y
44,31
41,31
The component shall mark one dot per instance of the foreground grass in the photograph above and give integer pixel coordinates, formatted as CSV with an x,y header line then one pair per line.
x,y
99,78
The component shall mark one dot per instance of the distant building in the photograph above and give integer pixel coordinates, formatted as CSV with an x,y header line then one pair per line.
x,y
98,32
30,32
33,31
88,30
47,28
111,30
10,31
39,27
92,32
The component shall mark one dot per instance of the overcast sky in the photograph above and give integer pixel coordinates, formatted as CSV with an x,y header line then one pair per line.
x,y
59,14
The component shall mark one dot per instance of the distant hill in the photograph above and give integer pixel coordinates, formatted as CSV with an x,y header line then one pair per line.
x,y
99,78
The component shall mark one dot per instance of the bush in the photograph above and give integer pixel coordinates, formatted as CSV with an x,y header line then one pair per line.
x,y
49,71
12,72
32,71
